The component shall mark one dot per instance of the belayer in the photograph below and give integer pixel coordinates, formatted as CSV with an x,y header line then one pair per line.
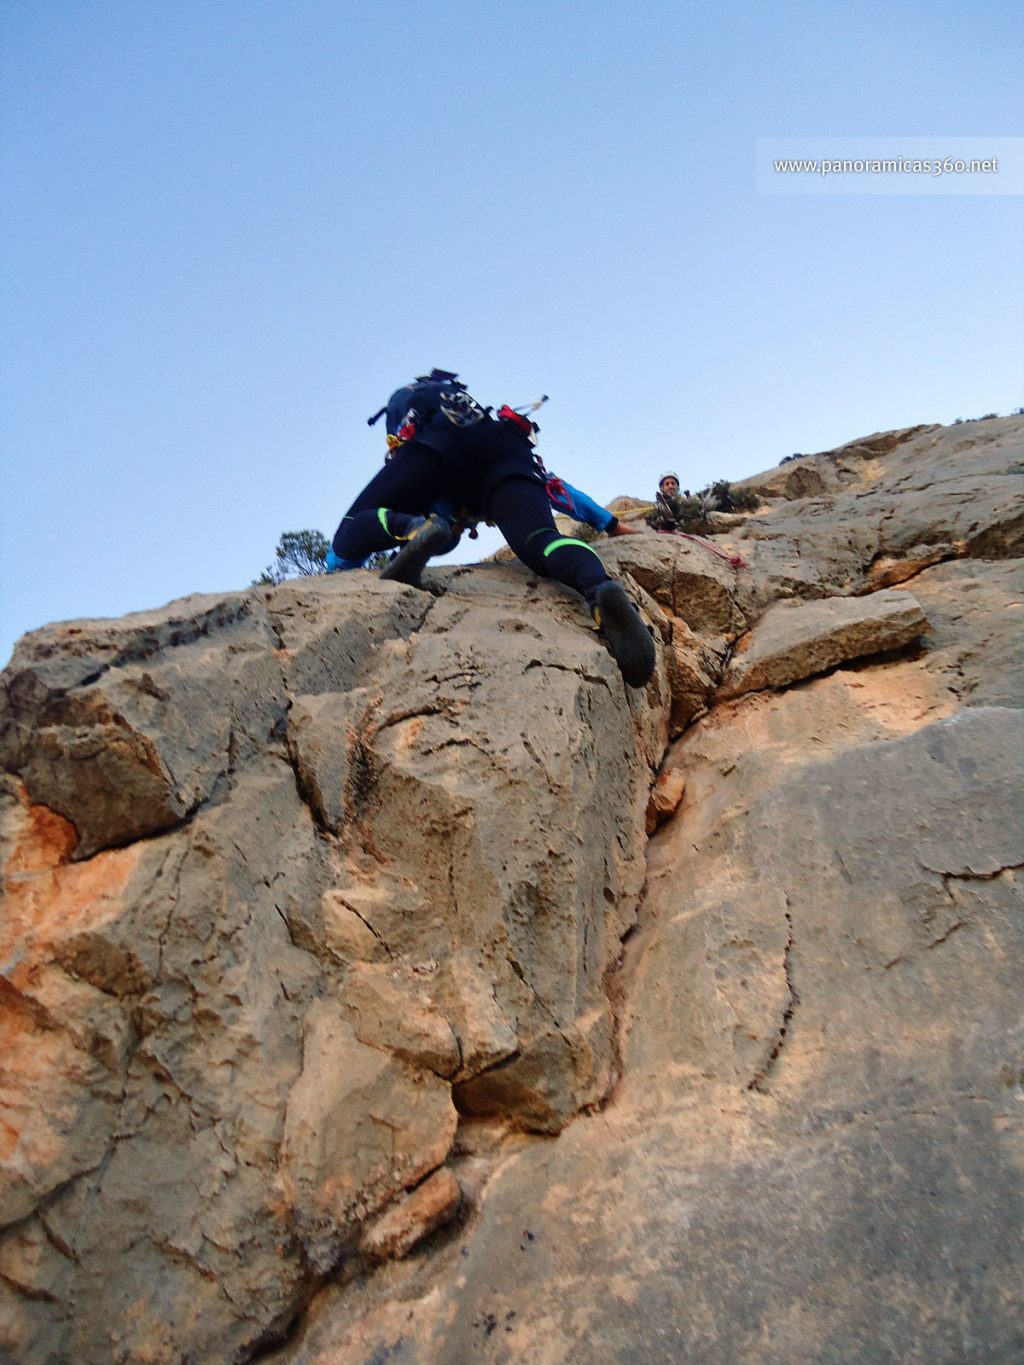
x,y
444,445
682,514
675,511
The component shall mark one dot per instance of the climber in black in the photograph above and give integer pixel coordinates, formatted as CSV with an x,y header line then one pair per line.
x,y
444,445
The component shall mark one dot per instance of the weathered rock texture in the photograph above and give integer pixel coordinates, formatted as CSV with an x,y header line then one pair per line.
x,y
795,640
313,940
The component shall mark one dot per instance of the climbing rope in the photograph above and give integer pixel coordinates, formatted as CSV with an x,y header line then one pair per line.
x,y
736,561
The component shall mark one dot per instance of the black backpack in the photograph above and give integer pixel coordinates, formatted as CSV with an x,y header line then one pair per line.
x,y
439,394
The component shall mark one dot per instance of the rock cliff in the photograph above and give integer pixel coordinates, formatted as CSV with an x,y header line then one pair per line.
x,y
382,980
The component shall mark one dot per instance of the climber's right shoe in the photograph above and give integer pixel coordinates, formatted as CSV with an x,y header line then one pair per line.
x,y
432,537
629,639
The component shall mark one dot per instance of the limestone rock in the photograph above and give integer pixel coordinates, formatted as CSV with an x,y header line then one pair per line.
x,y
322,731
552,1077
796,640
65,1041
146,1155
666,795
382,819
924,493
889,570
420,1213
694,667
466,991
829,471
812,1151
974,646
688,579
818,1084
359,1129
345,934
624,504
126,727
324,900
390,1008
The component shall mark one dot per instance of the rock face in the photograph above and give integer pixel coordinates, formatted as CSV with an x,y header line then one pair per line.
x,y
315,907
796,640
392,842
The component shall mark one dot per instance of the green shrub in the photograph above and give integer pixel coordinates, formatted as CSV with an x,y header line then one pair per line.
x,y
299,554
720,496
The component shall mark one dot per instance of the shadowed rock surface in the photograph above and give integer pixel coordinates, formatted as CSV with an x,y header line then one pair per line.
x,y
313,942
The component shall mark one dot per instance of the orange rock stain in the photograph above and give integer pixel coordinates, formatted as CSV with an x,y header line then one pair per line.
x,y
47,896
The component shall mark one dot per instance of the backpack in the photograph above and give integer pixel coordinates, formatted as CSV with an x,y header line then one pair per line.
x,y
413,407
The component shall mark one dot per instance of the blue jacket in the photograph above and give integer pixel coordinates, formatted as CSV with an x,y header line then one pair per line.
x,y
578,506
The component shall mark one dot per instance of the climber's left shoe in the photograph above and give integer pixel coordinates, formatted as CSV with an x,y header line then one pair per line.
x,y
434,537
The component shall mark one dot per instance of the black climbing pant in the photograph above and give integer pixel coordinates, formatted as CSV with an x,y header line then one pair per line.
x,y
490,470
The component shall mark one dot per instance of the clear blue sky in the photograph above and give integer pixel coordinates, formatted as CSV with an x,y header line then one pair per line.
x,y
231,227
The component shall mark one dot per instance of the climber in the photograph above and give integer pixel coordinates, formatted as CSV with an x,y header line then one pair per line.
x,y
674,511
444,445
563,496
681,515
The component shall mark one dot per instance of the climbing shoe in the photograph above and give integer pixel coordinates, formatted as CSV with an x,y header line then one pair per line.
x,y
619,622
432,537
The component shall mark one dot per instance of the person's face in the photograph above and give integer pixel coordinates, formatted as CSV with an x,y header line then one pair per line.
x,y
670,486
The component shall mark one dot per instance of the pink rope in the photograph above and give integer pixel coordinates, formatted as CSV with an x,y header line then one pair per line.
x,y
558,493
736,561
